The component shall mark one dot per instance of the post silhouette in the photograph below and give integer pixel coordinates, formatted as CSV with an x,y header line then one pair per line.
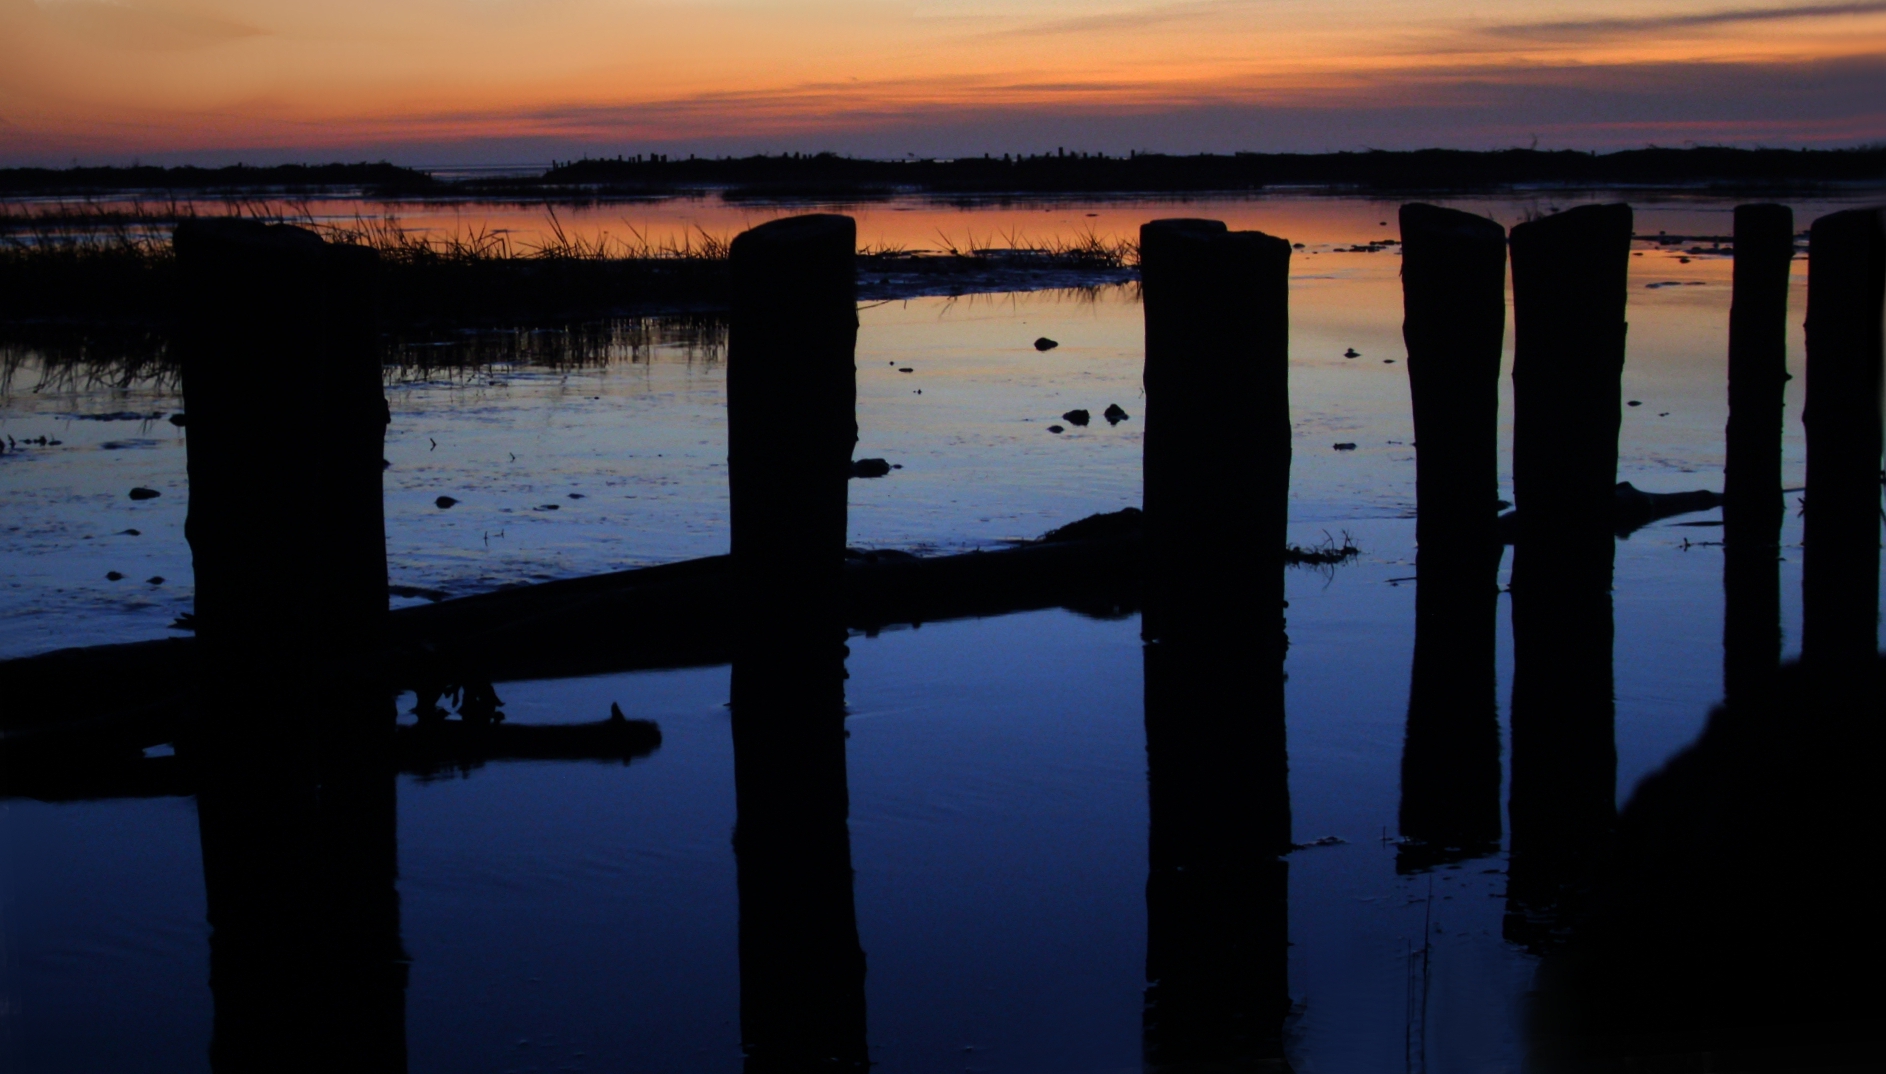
x,y
1568,329
286,426
1846,276
1752,502
1453,280
1217,455
286,422
791,414
792,390
1217,887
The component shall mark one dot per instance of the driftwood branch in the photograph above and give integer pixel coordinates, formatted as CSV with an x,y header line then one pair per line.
x,y
66,768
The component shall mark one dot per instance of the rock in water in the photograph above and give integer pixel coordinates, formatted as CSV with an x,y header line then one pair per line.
x,y
443,502
1344,446
1045,344
142,493
1352,353
1056,429
870,468
1114,414
1078,417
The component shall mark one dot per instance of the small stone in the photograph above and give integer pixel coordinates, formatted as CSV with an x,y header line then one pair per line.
x,y
1114,414
1056,429
1046,344
155,579
576,495
113,576
870,467
547,507
141,493
443,502
905,369
130,533
1344,447
1635,402
1077,417
1352,353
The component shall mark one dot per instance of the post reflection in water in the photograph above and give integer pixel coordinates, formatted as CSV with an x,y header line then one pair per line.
x,y
1450,762
1563,805
1217,886
299,864
801,967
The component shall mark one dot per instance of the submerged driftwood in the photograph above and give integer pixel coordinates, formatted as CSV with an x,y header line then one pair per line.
x,y
1632,509
110,767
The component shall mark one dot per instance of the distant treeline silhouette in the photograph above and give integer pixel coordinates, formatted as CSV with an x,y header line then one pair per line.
x,y
381,176
1062,171
791,175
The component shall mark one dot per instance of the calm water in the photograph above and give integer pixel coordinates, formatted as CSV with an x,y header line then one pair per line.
x,y
582,916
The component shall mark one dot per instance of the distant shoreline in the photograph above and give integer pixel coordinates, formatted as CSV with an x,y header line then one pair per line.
x,y
828,177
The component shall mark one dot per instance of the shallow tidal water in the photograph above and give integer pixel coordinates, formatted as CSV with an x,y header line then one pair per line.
x,y
582,916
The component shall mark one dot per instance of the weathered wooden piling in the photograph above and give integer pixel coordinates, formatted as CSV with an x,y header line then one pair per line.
x,y
1453,282
791,425
1758,373
1217,449
791,413
286,424
1846,281
1752,506
1569,285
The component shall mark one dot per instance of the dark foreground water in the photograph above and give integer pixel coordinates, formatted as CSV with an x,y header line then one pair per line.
x,y
584,916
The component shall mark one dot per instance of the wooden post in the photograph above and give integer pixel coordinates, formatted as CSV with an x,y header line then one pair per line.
x,y
1568,325
1846,277
1568,318
1453,280
792,390
791,426
1758,373
286,422
286,426
1217,455
1752,502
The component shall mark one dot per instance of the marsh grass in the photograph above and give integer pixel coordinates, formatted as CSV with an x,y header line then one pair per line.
x,y
110,263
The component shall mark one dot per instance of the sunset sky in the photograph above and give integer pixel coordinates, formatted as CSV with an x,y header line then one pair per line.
x,y
495,81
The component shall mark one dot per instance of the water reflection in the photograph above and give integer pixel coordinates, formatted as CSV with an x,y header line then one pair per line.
x,y
1703,948
801,967
1216,915
1450,762
1564,791
299,863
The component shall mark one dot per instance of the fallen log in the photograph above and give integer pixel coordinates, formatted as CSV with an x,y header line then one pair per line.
x,y
674,615
68,767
